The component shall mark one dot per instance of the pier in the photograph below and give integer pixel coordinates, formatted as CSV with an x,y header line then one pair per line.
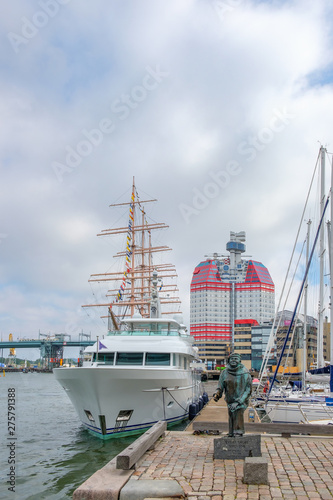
x,y
181,464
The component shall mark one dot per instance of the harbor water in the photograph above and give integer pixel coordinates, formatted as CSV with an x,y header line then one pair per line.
x,y
45,451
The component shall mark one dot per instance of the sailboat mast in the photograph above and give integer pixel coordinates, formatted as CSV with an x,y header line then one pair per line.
x,y
150,265
320,338
331,285
304,368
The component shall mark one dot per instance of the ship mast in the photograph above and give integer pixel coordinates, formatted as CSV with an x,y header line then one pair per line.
x,y
320,357
330,246
134,293
133,246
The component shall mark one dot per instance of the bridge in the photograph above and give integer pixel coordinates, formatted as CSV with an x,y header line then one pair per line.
x,y
26,344
51,347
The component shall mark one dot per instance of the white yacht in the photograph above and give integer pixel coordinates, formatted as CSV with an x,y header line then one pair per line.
x,y
145,368
134,377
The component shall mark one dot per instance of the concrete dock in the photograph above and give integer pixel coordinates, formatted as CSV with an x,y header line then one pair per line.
x,y
182,465
298,468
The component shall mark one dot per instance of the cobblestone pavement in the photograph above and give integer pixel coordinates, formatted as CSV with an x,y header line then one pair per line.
x,y
298,467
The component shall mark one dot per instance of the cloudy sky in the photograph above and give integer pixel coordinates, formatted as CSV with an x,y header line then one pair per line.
x,y
218,108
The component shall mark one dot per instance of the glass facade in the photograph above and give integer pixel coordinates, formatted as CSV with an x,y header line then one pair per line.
x,y
259,340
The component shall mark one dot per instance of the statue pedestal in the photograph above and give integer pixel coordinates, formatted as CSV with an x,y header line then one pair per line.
x,y
235,448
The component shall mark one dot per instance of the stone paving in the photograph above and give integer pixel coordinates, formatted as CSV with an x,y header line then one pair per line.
x,y
299,467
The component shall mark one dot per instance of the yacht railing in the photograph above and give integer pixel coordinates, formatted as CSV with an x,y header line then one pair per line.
x,y
147,332
303,407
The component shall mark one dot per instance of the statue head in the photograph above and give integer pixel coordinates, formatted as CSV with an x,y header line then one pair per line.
x,y
234,359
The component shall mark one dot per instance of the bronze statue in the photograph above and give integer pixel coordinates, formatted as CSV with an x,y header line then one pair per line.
x,y
236,382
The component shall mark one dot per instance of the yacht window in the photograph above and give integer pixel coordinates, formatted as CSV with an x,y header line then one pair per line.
x,y
122,419
106,358
158,358
124,415
129,358
89,416
185,363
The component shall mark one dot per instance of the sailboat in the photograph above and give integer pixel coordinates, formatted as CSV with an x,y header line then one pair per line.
x,y
304,406
145,368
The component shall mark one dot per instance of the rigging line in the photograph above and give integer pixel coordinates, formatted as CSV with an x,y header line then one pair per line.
x,y
328,156
122,196
93,319
115,223
299,295
302,216
124,312
175,400
139,202
270,341
272,334
143,211
293,277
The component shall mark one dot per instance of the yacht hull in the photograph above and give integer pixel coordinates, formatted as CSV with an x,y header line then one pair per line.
x,y
117,401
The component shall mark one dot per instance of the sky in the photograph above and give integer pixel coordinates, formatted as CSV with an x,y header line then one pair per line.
x,y
218,108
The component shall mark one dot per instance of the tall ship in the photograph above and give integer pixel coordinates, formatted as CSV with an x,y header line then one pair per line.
x,y
145,368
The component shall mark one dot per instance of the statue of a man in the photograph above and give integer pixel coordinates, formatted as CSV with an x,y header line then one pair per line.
x,y
236,383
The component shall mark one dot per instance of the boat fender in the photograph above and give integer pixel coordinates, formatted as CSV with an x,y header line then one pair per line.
x,y
192,411
201,404
205,398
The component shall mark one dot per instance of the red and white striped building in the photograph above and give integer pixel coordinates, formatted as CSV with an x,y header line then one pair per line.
x,y
225,288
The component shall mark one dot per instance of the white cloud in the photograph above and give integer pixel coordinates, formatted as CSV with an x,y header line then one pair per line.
x,y
225,81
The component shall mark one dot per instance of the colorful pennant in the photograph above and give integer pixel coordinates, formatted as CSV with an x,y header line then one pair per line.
x,y
128,250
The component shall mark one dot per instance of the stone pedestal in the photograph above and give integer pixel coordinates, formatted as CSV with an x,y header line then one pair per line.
x,y
235,448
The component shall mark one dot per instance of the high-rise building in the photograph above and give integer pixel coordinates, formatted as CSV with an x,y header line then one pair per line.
x,y
225,288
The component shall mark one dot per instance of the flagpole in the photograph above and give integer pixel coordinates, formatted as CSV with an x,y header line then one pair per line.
x,y
97,348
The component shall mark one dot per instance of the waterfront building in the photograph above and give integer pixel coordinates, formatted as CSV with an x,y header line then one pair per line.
x,y
243,340
293,354
224,289
327,342
259,339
